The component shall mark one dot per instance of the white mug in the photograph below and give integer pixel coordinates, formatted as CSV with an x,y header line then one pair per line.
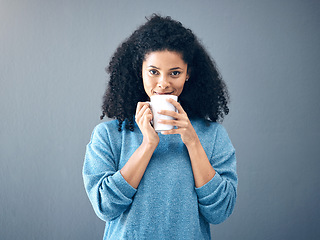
x,y
157,103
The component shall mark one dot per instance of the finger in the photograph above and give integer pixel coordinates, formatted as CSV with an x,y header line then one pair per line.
x,y
179,124
146,120
147,116
138,108
176,104
140,105
142,110
169,113
170,132
181,131
141,113
147,113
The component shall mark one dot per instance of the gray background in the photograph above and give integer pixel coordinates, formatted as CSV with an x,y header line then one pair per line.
x,y
52,60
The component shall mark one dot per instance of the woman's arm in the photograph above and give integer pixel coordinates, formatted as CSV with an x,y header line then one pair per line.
x,y
111,191
108,192
134,169
215,179
203,172
217,198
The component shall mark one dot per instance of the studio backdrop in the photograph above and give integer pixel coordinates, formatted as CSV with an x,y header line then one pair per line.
x,y
52,60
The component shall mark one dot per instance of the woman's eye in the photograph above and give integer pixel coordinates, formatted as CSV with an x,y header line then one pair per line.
x,y
175,73
153,72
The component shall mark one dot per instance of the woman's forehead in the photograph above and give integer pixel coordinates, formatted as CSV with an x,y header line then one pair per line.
x,y
165,57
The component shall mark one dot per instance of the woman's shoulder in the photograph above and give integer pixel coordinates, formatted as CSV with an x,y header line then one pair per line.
x,y
106,126
205,125
213,136
105,129
111,129
209,128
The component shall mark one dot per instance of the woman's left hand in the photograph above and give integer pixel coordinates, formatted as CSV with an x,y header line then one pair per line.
x,y
181,121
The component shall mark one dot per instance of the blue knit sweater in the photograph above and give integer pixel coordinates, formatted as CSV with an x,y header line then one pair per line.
x,y
166,205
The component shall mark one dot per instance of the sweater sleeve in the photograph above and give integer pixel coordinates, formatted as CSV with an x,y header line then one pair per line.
x,y
108,192
217,197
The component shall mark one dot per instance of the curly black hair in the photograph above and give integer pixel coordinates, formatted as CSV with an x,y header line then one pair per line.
x,y
204,95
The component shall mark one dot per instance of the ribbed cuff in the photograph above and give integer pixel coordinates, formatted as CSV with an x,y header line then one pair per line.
x,y
123,185
209,187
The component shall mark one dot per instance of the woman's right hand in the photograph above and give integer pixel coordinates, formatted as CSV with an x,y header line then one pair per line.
x,y
135,167
143,119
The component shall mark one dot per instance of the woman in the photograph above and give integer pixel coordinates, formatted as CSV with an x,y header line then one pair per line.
x,y
169,185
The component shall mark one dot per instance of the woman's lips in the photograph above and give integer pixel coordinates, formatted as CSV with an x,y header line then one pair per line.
x,y
163,93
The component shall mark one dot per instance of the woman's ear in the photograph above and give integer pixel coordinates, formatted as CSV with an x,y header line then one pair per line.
x,y
188,75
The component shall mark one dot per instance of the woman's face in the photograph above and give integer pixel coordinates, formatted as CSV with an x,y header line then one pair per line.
x,y
164,72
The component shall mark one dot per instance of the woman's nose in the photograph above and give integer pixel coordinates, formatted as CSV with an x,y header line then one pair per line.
x,y
163,83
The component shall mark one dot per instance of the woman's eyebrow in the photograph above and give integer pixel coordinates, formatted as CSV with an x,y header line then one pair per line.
x,y
176,68
153,66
